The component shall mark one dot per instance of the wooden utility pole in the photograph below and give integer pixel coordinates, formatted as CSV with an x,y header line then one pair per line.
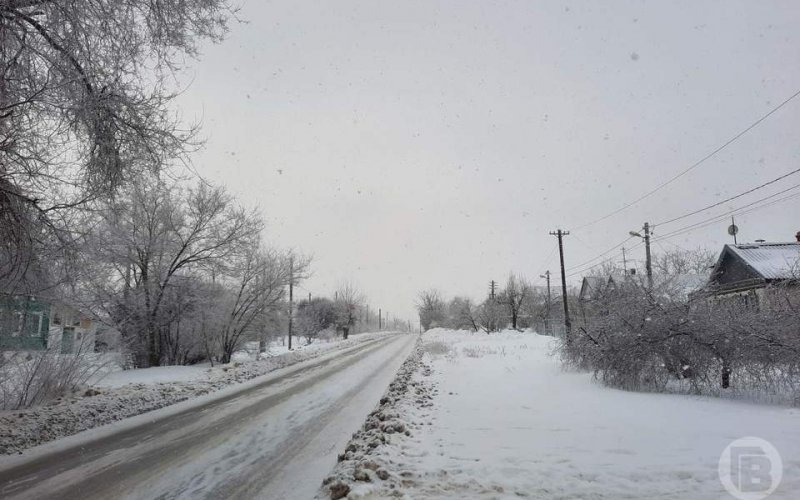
x,y
291,291
547,318
380,319
567,323
624,262
649,262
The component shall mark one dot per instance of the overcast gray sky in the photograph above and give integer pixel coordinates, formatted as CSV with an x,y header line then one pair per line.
x,y
415,144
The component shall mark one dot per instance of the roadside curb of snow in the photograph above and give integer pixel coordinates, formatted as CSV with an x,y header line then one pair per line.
x,y
96,407
362,463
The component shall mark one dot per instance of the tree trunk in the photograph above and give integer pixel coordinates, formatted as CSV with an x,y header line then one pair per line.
x,y
726,374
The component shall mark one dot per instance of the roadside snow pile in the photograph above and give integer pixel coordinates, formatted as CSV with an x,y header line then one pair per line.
x,y
95,406
508,421
366,464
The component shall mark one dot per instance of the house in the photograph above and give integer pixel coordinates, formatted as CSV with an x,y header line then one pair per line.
x,y
749,272
593,290
30,323
594,287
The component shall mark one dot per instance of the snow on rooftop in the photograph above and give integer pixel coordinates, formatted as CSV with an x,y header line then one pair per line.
x,y
771,260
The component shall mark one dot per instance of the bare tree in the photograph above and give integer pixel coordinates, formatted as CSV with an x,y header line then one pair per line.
x,y
516,292
255,284
314,316
490,314
84,99
154,240
431,309
348,301
462,313
678,261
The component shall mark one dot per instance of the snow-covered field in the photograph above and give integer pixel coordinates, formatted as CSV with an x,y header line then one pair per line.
x,y
508,421
123,394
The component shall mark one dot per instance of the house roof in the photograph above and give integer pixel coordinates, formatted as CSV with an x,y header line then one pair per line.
x,y
773,261
597,285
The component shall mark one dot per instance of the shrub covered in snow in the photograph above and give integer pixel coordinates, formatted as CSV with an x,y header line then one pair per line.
x,y
657,340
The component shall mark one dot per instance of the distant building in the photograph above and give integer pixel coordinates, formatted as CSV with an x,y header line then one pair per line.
x,y
29,323
594,287
748,271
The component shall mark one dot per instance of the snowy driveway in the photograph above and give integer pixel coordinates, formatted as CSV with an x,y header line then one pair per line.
x,y
276,439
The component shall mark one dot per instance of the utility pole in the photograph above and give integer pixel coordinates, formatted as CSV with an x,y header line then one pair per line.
x,y
649,263
492,286
368,316
547,319
624,261
567,323
380,319
309,296
291,291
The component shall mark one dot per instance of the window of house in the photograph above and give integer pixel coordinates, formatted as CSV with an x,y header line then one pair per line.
x,y
33,324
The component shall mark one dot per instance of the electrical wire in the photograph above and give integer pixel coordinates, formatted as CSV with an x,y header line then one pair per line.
x,y
692,166
618,245
773,181
739,211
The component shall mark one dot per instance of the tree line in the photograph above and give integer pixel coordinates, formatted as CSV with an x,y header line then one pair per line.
x,y
517,305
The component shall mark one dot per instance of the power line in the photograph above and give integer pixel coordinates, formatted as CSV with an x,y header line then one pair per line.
x,y
609,259
694,165
738,211
601,255
773,181
707,222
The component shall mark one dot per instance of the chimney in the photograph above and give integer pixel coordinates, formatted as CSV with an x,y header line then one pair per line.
x,y
797,236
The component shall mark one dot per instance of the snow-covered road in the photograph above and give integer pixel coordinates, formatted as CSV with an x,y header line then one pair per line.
x,y
275,439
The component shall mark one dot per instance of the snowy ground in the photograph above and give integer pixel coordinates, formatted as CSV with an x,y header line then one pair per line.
x,y
507,421
123,394
111,374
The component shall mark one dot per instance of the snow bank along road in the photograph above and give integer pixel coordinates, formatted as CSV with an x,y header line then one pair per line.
x,y
276,438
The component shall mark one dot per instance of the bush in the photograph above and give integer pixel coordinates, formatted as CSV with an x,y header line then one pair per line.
x,y
31,378
656,340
